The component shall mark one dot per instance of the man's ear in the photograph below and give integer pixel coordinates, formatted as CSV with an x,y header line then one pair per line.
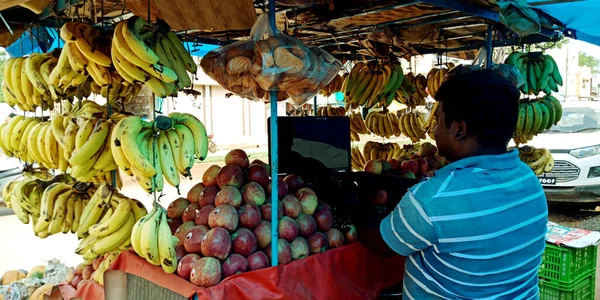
x,y
459,130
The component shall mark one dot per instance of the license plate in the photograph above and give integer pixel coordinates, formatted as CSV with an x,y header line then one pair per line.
x,y
547,180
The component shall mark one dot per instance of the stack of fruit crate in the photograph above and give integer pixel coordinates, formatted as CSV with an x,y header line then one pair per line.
x,y
568,273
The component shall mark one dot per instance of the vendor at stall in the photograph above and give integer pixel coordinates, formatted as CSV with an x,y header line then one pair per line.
x,y
477,229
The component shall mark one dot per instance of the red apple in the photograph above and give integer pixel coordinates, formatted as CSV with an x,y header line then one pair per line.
x,y
318,243
351,234
380,197
395,165
76,280
415,157
291,206
253,193
210,175
386,167
182,231
300,248
284,252
423,165
408,174
189,214
243,242
324,219
258,174
427,149
305,190
230,175
288,228
186,264
180,252
263,234
249,216
193,194
335,238
203,214
216,243
96,262
432,162
224,216
234,264
294,182
87,272
410,165
323,205
193,239
174,224
208,195
229,195
282,189
258,260
176,208
265,210
237,157
307,225
263,164
206,272
309,202
373,166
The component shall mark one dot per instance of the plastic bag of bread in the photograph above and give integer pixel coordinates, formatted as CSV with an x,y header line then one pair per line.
x,y
300,90
230,66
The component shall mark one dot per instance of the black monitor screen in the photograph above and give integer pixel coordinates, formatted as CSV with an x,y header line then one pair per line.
x,y
308,145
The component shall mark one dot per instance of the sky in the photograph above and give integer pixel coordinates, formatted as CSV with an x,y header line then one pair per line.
x,y
586,47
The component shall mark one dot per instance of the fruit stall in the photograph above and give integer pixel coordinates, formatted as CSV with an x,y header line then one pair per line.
x,y
85,81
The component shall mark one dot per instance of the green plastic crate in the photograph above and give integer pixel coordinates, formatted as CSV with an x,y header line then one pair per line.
x,y
581,290
565,266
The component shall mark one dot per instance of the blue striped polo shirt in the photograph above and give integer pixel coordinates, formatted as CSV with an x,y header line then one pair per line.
x,y
474,231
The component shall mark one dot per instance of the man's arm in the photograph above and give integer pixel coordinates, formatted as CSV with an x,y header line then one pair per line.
x,y
407,229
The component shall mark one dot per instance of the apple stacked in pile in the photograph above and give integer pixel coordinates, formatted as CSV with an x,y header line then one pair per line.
x,y
224,224
417,166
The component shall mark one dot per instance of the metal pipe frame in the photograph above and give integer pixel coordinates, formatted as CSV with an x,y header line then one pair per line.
x,y
489,46
274,153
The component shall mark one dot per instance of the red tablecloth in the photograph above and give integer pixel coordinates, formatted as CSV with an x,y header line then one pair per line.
x,y
349,272
89,290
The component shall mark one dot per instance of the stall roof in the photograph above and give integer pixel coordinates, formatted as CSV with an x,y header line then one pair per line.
x,y
345,28
579,17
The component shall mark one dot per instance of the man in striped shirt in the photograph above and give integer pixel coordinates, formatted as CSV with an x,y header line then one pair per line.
x,y
477,229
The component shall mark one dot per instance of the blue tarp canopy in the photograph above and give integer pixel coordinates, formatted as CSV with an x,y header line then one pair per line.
x,y
45,39
580,18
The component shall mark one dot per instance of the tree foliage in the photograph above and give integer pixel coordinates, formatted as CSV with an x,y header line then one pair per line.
x,y
589,61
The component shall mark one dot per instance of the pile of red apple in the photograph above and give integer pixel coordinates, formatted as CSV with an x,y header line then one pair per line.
x,y
418,166
83,272
224,224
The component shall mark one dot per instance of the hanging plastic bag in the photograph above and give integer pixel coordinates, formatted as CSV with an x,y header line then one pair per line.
x,y
480,57
519,17
510,73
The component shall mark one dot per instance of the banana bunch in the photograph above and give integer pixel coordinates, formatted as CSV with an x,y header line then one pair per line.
x,y
375,151
106,223
28,173
334,86
432,121
383,123
535,116
28,82
153,157
160,60
538,159
85,52
331,111
98,274
358,160
412,125
539,71
357,126
151,239
370,84
118,93
435,77
25,194
412,92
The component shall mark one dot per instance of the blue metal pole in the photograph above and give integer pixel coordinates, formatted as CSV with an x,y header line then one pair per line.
x,y
489,47
274,159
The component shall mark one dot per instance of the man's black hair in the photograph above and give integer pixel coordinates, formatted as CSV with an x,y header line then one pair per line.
x,y
485,101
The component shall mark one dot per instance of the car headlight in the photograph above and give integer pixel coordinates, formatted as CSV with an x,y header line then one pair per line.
x,y
585,152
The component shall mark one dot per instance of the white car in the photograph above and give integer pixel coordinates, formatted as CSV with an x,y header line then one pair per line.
x,y
575,145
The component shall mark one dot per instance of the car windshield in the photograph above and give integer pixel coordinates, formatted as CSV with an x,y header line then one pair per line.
x,y
578,119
